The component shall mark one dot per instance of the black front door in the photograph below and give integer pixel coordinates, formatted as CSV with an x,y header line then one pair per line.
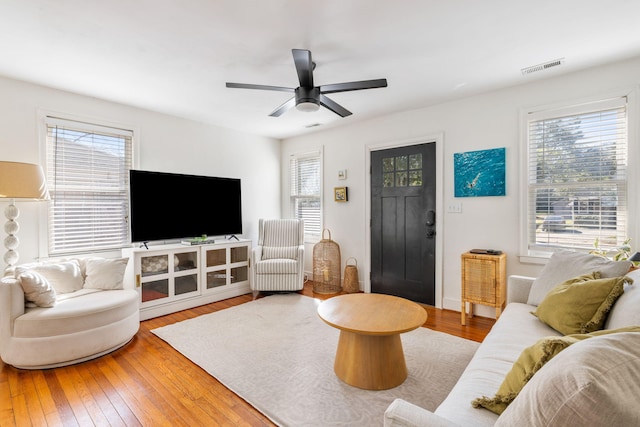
x,y
403,206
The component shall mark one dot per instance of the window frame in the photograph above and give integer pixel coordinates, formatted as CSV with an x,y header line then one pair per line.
x,y
88,124
528,255
309,237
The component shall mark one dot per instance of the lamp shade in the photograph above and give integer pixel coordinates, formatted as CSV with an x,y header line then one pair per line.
x,y
22,181
307,107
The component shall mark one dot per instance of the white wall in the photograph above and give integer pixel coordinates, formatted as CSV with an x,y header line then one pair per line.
x,y
177,145
491,120
165,143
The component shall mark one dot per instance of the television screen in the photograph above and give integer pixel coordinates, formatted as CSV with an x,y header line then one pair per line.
x,y
165,206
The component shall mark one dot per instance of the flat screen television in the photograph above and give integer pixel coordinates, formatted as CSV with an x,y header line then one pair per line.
x,y
166,206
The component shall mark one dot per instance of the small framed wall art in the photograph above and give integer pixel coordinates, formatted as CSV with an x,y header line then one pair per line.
x,y
340,194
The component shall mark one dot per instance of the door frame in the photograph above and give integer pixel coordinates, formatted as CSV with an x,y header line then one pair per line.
x,y
438,139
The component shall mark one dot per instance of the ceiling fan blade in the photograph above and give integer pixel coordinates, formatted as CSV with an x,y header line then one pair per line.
x,y
334,106
304,66
283,108
261,87
344,87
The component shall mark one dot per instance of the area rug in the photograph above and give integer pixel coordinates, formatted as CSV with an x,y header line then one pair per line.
x,y
277,354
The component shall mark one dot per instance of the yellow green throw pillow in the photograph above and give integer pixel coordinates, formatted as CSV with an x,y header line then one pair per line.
x,y
581,305
531,360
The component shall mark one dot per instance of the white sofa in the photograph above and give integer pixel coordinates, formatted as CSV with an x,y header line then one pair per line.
x,y
84,312
594,382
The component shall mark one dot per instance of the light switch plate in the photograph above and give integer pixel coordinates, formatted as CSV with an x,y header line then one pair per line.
x,y
455,207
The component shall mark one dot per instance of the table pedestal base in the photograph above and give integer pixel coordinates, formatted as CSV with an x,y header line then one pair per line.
x,y
371,362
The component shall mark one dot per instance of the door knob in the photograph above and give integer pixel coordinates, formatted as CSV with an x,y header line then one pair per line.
x,y
431,218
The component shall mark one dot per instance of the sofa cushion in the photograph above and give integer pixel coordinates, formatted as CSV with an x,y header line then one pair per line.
x,y
37,289
531,360
580,305
594,382
564,265
515,330
104,273
626,310
277,266
281,232
64,276
78,311
280,252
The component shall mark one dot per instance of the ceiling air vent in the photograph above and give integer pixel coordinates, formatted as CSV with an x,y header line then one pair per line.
x,y
541,67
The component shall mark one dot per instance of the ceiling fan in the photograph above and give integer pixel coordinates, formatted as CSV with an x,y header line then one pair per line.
x,y
307,96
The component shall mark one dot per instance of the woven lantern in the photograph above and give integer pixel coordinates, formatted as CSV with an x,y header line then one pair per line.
x,y
351,284
326,266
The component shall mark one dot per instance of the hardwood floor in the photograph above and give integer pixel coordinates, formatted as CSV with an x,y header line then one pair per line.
x,y
148,383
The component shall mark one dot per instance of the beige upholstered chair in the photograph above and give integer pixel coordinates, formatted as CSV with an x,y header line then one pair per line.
x,y
278,259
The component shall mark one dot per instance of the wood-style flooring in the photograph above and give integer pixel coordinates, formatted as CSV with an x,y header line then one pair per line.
x,y
148,383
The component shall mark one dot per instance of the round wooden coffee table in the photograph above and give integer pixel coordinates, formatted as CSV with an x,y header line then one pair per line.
x,y
369,354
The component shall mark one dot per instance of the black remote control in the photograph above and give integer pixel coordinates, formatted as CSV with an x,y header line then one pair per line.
x,y
486,251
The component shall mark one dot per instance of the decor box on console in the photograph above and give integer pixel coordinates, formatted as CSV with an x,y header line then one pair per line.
x,y
566,351
56,313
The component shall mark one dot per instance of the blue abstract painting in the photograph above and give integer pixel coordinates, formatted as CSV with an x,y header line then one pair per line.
x,y
480,173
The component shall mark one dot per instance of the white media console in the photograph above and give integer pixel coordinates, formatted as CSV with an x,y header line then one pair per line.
x,y
176,277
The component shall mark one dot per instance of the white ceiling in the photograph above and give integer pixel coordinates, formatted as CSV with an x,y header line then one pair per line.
x,y
174,56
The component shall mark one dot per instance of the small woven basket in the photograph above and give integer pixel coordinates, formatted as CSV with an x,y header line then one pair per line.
x,y
326,266
351,284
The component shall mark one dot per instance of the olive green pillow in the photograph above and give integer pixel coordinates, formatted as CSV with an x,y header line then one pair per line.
x,y
581,305
530,361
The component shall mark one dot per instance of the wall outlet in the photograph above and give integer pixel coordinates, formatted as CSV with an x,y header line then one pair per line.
x,y
455,207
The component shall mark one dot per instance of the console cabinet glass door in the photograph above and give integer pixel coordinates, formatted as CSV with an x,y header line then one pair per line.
x,y
153,277
216,267
239,259
185,272
226,266
168,275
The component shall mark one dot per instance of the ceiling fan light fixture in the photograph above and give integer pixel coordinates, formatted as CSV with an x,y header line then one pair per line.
x,y
307,107
308,97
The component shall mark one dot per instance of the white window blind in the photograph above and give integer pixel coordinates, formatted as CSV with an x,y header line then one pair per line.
x,y
88,180
577,177
306,190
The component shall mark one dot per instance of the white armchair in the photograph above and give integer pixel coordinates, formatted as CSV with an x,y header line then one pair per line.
x,y
278,259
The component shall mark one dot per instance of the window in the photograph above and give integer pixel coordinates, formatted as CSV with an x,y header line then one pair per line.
x,y
88,180
306,191
577,177
401,171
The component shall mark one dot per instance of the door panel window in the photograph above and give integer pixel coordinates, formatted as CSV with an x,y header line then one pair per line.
x,y
402,171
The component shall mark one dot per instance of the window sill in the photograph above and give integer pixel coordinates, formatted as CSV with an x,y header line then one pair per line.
x,y
541,259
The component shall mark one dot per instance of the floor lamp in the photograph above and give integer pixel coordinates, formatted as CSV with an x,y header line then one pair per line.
x,y
18,181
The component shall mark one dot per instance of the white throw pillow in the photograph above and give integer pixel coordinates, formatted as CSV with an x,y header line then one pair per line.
x,y
103,273
37,289
626,310
595,382
64,276
565,265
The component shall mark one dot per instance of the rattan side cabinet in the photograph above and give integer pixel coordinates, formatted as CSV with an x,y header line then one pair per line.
x,y
483,282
